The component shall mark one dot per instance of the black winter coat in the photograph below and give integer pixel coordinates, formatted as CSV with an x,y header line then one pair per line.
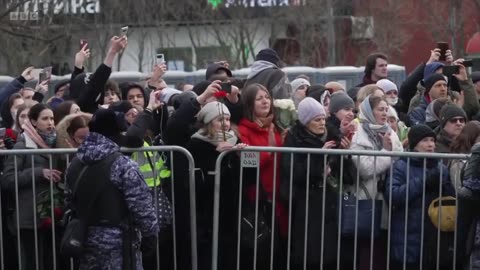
x,y
408,89
86,92
468,215
205,156
299,137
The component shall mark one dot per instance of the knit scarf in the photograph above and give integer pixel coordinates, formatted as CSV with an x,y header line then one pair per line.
x,y
369,124
33,134
267,123
264,122
230,135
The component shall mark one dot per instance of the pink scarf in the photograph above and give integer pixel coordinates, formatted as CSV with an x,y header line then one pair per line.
x,y
32,133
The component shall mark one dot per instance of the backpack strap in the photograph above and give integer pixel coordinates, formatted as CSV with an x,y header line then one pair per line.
x,y
95,181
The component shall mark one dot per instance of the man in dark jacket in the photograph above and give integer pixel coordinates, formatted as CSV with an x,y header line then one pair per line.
x,y
452,121
266,71
375,69
414,86
435,87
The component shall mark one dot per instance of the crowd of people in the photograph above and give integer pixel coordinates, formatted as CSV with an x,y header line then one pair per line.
x,y
130,223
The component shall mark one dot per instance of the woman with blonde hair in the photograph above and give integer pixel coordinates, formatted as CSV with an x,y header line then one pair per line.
x,y
369,90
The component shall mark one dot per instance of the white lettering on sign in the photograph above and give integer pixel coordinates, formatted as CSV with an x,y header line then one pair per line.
x,y
261,3
57,6
250,159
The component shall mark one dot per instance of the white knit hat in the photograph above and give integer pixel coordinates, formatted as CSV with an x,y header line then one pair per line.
x,y
211,111
298,82
392,112
387,85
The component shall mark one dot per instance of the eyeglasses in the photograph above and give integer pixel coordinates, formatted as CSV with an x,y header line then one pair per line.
x,y
455,120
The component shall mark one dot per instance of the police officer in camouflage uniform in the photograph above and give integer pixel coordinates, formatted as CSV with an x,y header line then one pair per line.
x,y
104,244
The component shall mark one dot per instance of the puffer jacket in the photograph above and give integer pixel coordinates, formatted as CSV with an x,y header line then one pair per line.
x,y
370,166
104,243
398,196
418,114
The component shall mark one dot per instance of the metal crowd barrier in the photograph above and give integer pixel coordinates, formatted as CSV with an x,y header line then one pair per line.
x,y
280,250
57,262
250,159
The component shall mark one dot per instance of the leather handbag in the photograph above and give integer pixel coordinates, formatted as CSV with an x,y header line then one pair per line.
x,y
368,210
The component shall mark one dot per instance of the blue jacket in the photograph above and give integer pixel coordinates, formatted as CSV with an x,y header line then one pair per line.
x,y
104,244
415,197
417,115
5,93
11,88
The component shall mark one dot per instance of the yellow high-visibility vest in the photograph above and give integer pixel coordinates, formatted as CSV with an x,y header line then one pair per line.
x,y
152,177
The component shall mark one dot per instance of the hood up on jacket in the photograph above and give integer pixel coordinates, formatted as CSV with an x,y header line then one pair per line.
x,y
96,147
430,69
259,66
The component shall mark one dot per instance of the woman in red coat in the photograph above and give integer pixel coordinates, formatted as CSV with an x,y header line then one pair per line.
x,y
257,128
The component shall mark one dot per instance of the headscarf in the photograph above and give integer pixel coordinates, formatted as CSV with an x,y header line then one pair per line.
x,y
369,124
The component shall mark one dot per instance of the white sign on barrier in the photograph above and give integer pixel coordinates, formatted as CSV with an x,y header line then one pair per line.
x,y
250,159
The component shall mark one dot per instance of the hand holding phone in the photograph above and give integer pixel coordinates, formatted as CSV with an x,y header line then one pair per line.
x,y
226,87
35,73
83,44
451,70
443,46
350,135
160,58
124,31
45,74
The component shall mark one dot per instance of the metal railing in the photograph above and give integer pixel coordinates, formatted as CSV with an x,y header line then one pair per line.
x,y
250,159
279,254
51,155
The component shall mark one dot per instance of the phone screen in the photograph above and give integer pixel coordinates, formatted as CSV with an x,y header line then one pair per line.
x,y
450,70
48,73
36,72
124,31
350,135
160,58
83,42
468,63
443,46
42,77
227,87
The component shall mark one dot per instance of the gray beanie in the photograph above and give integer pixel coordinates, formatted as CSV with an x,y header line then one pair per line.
x,y
309,109
450,111
211,111
340,100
